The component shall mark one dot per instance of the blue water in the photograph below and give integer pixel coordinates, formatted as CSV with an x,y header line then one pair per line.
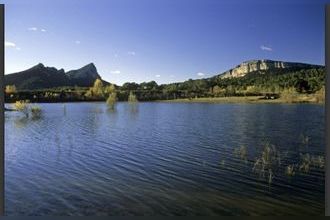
x,y
161,159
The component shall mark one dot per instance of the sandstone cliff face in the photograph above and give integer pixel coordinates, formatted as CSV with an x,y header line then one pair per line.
x,y
257,65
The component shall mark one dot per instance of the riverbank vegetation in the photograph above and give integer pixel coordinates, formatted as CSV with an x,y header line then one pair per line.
x,y
305,85
25,107
271,162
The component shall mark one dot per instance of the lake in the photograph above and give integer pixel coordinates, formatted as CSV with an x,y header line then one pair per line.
x,y
164,159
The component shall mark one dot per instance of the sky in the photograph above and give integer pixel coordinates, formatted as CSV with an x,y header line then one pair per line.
x,y
161,40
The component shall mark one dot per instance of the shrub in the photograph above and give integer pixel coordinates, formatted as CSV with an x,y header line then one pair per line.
x,y
111,101
36,111
132,97
22,106
269,160
290,170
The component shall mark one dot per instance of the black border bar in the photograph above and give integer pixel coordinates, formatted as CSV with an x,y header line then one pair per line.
x,y
2,101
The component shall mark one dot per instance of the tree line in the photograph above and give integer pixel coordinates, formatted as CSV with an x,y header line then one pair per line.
x,y
305,81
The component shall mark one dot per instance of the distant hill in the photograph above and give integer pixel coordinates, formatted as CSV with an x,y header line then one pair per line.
x,y
250,73
41,77
265,66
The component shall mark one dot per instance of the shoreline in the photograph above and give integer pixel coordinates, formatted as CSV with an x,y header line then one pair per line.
x,y
247,99
217,100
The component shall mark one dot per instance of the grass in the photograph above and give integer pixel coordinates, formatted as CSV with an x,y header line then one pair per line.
x,y
301,98
318,161
305,140
290,170
305,163
268,163
241,152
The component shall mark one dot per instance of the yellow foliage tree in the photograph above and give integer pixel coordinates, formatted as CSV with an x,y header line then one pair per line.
x,y
10,89
132,97
109,89
97,89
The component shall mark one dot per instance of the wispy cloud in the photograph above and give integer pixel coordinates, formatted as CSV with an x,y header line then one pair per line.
x,y
9,44
263,47
200,74
171,75
131,53
77,42
32,28
115,72
157,75
37,29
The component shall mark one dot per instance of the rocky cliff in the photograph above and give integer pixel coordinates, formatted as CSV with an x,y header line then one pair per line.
x,y
260,65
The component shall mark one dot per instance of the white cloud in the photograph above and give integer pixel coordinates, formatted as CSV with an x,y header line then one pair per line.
x,y
115,72
33,29
171,75
37,29
157,75
263,47
200,74
9,44
77,42
132,53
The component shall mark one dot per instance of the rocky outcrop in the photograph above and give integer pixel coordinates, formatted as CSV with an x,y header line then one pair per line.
x,y
259,65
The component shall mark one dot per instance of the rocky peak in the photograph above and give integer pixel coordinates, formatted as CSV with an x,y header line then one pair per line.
x,y
38,66
90,67
86,71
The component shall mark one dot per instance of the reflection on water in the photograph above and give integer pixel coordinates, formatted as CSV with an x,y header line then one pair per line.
x,y
166,159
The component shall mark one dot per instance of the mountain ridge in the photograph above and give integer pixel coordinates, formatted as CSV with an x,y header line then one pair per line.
x,y
43,77
249,66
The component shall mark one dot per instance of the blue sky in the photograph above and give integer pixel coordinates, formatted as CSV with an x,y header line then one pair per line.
x,y
161,40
